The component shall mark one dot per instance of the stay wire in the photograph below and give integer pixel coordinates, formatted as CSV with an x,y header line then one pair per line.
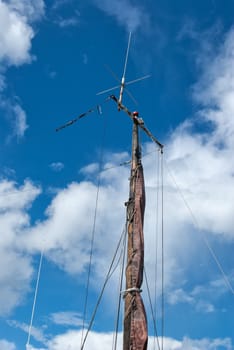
x,y
196,224
162,220
35,299
151,309
93,232
114,347
156,240
109,273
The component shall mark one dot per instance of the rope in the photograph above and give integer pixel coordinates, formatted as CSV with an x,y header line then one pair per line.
x,y
34,300
115,337
163,304
102,291
196,224
93,234
156,243
151,308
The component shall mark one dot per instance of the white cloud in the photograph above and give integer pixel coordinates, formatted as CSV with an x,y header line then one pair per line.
x,y
16,115
6,345
35,333
20,123
60,3
68,231
128,15
32,9
68,22
2,83
67,318
57,166
215,92
104,341
15,279
15,36
179,296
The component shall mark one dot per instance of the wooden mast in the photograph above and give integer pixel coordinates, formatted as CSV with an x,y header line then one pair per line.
x,y
135,335
135,324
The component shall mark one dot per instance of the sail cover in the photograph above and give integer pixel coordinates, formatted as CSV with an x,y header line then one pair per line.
x,y
135,336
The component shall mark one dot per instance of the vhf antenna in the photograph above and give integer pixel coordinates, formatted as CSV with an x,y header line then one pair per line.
x,y
122,84
133,115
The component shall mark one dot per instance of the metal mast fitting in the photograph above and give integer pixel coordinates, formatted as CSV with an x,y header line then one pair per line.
x,y
138,121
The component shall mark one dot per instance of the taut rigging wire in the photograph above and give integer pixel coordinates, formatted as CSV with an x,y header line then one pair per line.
x,y
108,275
35,299
93,231
156,240
162,219
151,309
114,346
196,224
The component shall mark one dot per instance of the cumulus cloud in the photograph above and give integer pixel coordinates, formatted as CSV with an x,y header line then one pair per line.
x,y
57,166
15,280
128,15
16,34
15,37
215,93
5,345
104,341
68,22
35,333
68,231
32,9
67,318
20,123
16,116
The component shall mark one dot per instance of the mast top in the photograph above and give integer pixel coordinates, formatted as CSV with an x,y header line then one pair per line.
x,y
139,121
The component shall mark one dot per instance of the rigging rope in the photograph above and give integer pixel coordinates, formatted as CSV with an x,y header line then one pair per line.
x,y
35,299
93,232
114,346
151,308
162,220
156,241
196,224
108,275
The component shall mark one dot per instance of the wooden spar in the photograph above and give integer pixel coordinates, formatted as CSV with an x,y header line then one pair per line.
x,y
135,324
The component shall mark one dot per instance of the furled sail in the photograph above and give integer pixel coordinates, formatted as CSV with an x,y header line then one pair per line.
x,y
135,323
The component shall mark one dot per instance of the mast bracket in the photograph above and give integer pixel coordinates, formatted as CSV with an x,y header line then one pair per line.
x,y
137,120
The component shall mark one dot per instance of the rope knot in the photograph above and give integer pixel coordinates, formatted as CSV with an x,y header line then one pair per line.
x,y
131,290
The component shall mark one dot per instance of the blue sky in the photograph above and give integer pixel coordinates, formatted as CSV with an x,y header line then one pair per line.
x,y
54,59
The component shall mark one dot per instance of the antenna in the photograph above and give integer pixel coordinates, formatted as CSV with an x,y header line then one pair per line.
x,y
97,108
122,84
